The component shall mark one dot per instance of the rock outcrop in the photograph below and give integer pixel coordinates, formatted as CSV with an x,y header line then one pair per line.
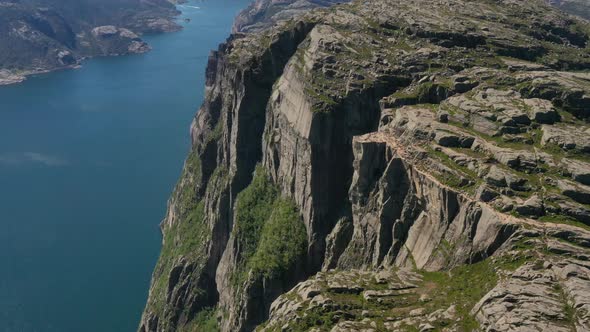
x,y
114,41
386,165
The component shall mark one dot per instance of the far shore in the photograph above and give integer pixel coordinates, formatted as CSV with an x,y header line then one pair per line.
x,y
8,78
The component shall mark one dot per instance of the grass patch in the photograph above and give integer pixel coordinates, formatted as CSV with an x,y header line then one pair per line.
x,y
462,286
456,181
205,321
569,312
563,219
419,94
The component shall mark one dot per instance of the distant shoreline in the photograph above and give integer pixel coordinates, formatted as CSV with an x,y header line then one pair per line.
x,y
8,77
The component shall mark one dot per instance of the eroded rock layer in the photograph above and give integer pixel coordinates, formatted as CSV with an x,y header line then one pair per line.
x,y
387,165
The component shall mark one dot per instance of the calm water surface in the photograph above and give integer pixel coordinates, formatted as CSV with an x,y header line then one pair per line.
x,y
88,158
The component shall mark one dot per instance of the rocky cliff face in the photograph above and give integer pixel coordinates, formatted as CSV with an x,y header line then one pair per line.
x,y
42,35
387,165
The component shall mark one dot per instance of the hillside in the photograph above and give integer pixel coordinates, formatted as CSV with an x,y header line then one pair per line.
x,y
43,35
387,165
575,7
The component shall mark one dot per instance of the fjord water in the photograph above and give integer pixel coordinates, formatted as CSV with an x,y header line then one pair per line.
x,y
88,158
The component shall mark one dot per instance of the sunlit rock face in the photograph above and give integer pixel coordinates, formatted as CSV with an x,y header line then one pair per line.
x,y
386,165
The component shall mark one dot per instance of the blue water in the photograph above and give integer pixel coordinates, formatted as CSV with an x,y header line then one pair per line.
x,y
88,158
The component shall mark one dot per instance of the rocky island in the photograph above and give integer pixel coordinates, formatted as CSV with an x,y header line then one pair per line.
x,y
386,165
37,36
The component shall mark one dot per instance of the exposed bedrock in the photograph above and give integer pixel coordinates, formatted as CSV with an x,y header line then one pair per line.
x,y
226,136
355,167
403,217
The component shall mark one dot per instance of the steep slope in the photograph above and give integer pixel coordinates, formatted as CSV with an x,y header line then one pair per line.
x,y
42,35
387,165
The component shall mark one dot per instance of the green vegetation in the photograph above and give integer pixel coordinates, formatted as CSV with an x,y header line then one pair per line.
x,y
563,219
252,210
569,311
315,319
462,286
205,321
323,102
268,230
185,238
216,133
186,190
456,181
282,241
418,94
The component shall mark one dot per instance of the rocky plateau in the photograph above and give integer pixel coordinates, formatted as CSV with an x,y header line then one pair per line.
x,y
386,165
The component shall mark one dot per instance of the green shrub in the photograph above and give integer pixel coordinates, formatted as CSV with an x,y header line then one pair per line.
x,y
205,321
283,240
268,230
253,208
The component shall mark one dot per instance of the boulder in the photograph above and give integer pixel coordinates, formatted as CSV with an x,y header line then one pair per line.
x,y
578,192
575,211
517,159
485,194
517,116
566,88
442,116
500,177
531,207
444,138
484,125
462,84
578,170
566,137
541,110
452,140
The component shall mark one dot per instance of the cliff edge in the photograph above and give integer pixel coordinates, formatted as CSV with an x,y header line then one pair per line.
x,y
387,165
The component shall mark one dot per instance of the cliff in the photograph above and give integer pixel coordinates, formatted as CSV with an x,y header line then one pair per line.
x,y
387,165
42,35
